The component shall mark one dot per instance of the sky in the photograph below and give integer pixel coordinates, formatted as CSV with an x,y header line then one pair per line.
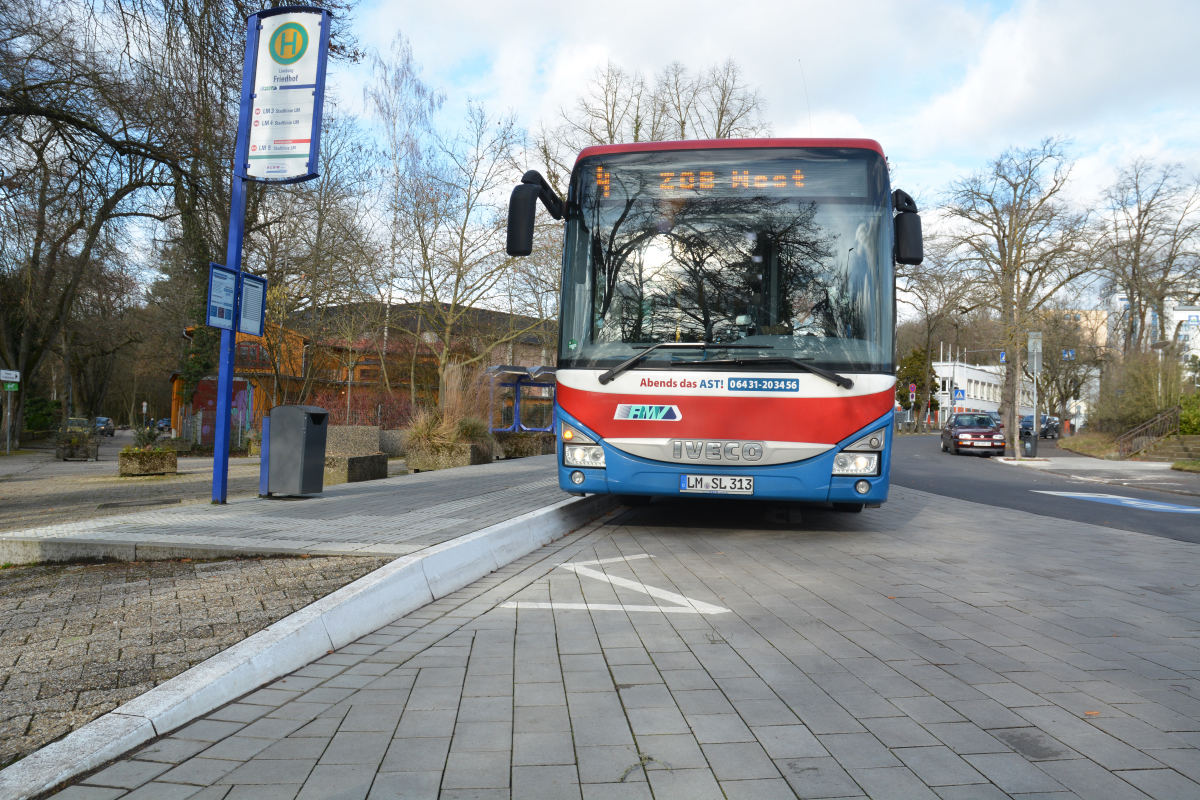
x,y
943,85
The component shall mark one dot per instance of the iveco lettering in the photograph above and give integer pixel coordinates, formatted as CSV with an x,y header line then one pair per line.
x,y
728,317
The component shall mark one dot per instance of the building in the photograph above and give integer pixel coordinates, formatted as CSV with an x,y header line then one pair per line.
x,y
372,352
1186,324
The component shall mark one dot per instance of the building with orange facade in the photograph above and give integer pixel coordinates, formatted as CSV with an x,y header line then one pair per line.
x,y
374,362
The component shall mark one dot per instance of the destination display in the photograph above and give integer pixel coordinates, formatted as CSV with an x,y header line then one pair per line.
x,y
726,176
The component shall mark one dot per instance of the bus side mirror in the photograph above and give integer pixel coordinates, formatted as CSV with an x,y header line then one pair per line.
x,y
910,248
522,209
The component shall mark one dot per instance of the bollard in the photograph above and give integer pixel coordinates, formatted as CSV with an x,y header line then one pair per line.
x,y
264,463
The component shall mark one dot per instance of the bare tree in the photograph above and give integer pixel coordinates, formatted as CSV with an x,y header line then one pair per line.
x,y
1149,246
678,90
728,108
456,213
938,290
1011,226
619,106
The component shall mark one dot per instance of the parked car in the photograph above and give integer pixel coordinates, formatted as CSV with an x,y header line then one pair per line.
x,y
164,424
1050,426
974,433
105,427
995,415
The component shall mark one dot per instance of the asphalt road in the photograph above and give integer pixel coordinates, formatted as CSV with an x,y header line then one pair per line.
x,y
918,463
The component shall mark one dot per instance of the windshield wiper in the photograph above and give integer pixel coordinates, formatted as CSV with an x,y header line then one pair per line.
x,y
832,377
606,377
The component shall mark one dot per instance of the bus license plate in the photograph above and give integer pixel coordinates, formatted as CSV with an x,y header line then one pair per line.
x,y
716,484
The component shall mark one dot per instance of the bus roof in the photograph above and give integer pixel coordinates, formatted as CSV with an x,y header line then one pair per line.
x,y
713,144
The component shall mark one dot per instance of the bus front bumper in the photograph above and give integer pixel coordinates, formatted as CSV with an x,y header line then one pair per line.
x,y
811,480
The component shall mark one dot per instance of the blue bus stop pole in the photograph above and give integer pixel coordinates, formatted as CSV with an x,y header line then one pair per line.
x,y
233,260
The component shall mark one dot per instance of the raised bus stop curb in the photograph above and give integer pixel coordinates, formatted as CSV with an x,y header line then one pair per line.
x,y
355,610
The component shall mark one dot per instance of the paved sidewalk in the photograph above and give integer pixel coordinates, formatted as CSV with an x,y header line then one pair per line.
x,y
392,517
933,648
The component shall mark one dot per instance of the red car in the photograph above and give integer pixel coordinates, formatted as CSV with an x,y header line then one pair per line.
x,y
974,433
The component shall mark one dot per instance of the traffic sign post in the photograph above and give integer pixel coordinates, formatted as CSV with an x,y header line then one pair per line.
x,y
12,382
278,141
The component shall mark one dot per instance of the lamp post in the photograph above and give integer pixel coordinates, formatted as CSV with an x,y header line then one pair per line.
x,y
1035,367
1161,346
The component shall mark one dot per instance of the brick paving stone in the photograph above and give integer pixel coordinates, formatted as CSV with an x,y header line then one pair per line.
x,y
972,684
77,641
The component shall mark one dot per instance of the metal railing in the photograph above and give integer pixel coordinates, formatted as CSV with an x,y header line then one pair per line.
x,y
1135,441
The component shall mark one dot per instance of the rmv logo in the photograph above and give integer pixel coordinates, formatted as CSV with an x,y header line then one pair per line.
x,y
288,43
663,413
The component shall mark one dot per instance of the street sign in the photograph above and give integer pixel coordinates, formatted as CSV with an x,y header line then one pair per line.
x,y
10,375
252,304
222,296
959,394
1035,352
1003,357
283,111
912,396
1068,355
143,406
12,387
912,387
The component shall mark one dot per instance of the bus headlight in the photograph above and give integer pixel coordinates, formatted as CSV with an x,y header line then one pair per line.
x,y
583,455
856,463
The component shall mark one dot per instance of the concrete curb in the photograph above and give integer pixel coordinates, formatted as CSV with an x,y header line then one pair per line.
x,y
334,621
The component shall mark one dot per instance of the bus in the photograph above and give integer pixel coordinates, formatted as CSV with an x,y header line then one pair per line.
x,y
727,318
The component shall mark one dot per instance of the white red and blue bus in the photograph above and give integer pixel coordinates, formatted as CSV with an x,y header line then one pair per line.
x,y
728,315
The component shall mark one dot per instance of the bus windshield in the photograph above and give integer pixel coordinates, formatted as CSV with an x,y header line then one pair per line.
x,y
785,252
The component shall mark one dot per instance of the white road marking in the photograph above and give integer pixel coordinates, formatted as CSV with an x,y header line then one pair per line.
x,y
1128,502
683,605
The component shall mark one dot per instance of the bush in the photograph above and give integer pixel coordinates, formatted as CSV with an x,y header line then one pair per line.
x,y
40,413
1128,394
424,431
473,430
434,430
145,438
1189,415
390,410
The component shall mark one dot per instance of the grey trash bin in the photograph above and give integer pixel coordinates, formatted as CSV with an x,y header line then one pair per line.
x,y
297,463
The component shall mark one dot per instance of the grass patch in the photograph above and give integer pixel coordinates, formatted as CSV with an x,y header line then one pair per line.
x,y
1187,465
1096,445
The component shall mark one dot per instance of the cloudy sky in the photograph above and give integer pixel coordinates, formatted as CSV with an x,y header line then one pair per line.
x,y
943,85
